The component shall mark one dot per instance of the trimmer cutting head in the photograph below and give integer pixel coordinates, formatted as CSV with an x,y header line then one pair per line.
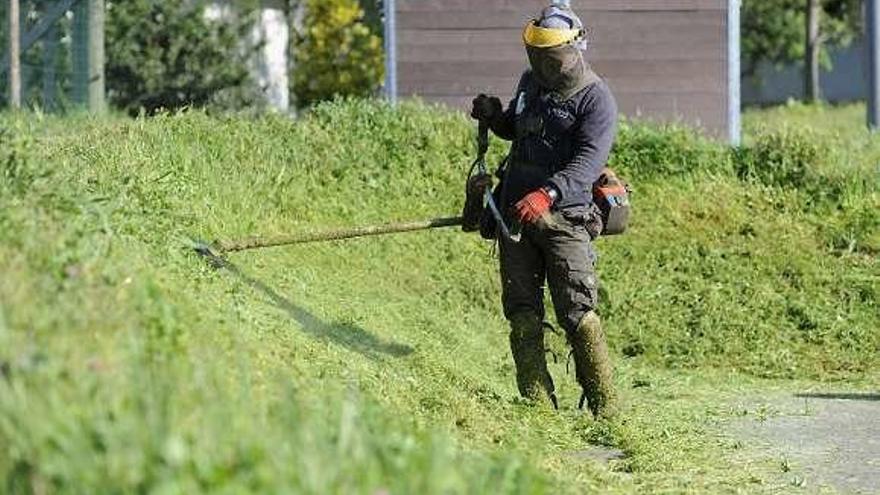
x,y
203,247
209,251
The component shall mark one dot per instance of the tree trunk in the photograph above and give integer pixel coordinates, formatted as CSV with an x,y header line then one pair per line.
x,y
812,90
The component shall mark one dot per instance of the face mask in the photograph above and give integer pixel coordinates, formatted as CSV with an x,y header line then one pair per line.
x,y
560,69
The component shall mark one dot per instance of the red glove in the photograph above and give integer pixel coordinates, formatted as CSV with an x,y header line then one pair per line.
x,y
533,206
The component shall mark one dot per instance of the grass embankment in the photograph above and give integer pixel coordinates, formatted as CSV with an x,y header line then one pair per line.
x,y
128,364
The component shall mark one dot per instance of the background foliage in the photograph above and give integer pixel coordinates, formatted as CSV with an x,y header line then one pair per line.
x,y
32,63
168,55
165,55
336,53
775,30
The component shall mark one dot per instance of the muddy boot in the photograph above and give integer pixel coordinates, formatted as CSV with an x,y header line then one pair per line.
x,y
527,346
592,366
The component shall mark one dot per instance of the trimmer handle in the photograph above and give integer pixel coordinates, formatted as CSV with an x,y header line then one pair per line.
x,y
482,139
514,234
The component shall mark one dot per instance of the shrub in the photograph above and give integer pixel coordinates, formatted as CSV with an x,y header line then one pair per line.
x,y
336,54
645,150
169,55
786,158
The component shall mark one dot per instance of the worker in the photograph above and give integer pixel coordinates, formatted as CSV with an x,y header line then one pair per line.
x,y
561,122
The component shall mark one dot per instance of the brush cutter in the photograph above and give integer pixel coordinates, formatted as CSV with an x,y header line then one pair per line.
x,y
218,249
221,247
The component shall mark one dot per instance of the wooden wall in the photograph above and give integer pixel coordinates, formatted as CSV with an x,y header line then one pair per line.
x,y
664,59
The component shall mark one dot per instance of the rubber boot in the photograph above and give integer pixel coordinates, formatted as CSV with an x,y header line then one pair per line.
x,y
527,346
593,367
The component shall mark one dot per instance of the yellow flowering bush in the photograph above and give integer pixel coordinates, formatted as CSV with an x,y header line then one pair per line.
x,y
336,53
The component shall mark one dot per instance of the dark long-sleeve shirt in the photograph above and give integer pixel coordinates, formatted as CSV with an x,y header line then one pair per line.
x,y
563,145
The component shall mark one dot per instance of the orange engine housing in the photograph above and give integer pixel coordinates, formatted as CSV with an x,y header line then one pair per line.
x,y
611,195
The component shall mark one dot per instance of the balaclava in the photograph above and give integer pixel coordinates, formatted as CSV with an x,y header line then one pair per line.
x,y
555,42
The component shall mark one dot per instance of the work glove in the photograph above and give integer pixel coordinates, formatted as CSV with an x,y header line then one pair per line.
x,y
533,206
486,108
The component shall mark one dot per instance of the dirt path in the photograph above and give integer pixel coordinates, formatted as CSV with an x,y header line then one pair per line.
x,y
822,440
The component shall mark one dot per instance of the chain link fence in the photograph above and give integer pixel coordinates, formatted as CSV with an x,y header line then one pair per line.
x,y
54,68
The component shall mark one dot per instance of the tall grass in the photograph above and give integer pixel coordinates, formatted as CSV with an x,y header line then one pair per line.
x,y
130,365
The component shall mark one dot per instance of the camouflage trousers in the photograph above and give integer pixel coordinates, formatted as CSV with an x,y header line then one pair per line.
x,y
556,248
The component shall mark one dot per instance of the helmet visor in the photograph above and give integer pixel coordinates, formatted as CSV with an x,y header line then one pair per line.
x,y
539,37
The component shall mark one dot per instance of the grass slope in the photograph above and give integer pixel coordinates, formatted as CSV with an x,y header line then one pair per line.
x,y
129,364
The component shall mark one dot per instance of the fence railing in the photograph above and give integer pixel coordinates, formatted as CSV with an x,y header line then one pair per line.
x,y
55,59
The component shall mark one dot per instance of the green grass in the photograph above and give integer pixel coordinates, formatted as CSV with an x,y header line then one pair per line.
x,y
847,120
131,365
842,130
841,180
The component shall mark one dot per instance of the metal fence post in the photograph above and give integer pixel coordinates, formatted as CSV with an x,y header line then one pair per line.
x,y
872,25
88,55
390,8
734,101
96,56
